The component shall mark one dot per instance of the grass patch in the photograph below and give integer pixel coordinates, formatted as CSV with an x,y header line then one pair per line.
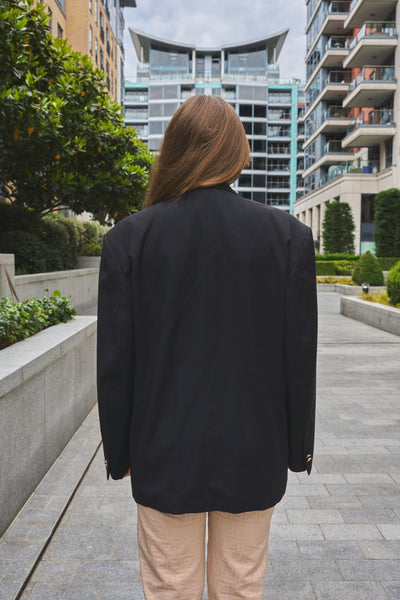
x,y
379,298
344,280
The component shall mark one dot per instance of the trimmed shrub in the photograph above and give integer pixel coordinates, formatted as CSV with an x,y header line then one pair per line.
x,y
325,268
338,228
338,256
393,285
368,270
387,263
344,267
387,221
30,252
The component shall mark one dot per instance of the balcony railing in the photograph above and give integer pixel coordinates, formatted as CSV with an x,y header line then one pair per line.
x,y
340,7
102,34
373,73
335,147
336,112
338,42
377,116
364,167
382,29
338,77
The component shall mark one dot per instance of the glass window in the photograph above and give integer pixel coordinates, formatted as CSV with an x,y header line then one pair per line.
x,y
155,127
260,111
259,197
248,127
60,31
259,180
245,181
260,128
155,110
156,92
254,61
259,163
162,60
96,6
169,109
245,110
90,39
259,145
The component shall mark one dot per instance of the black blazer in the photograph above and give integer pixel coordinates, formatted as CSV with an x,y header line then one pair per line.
x,y
206,352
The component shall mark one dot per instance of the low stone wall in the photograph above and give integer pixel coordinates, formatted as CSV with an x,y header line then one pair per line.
x,y
47,388
81,284
347,290
371,313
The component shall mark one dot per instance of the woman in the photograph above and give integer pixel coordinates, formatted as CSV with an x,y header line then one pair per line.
x,y
207,328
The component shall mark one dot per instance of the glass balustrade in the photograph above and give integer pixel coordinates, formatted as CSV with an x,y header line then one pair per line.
x,y
382,29
363,167
373,73
376,116
335,147
339,77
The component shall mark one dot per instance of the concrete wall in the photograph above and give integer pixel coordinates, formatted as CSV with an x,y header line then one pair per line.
x,y
371,313
47,388
80,284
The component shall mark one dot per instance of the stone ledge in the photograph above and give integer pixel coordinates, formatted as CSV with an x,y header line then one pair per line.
x,y
371,313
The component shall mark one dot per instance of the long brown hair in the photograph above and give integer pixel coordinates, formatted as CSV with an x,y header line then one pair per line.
x,y
204,145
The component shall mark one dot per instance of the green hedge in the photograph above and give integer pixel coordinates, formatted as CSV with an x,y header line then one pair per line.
x,y
325,268
325,257
50,243
393,284
334,267
368,270
387,263
19,320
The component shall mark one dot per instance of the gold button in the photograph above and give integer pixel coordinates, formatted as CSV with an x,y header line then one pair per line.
x,y
106,463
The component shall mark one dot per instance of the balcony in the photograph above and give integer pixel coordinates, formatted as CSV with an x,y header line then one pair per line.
x,y
334,119
366,10
373,45
336,51
358,167
333,88
335,16
369,128
372,87
331,153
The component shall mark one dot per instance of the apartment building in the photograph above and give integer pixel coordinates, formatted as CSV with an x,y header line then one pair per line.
x,y
245,74
95,28
351,115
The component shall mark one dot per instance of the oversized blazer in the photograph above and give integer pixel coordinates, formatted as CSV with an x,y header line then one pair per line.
x,y
206,352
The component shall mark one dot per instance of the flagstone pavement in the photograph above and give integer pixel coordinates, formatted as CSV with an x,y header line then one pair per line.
x,y
334,536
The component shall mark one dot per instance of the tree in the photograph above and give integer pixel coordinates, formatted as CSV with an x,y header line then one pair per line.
x,y
387,221
62,139
338,228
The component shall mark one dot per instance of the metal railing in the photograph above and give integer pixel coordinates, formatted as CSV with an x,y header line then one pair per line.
x,y
340,7
374,117
338,42
336,112
373,73
380,29
335,147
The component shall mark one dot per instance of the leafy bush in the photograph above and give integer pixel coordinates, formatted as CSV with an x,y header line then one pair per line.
x,y
93,233
19,320
30,252
343,280
344,267
325,268
387,263
368,270
91,249
62,236
379,298
393,285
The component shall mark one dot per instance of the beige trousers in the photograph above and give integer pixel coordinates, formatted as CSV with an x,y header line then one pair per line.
x,y
172,554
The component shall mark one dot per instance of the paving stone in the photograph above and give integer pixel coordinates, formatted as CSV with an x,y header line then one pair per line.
x,y
375,549
296,532
351,532
330,549
278,550
348,590
107,570
51,571
19,549
390,532
392,589
369,569
101,550
8,589
314,516
123,591
4,564
127,550
378,515
68,591
285,590
334,502
297,570
18,570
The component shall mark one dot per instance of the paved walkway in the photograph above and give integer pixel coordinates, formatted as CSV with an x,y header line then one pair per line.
x,y
335,535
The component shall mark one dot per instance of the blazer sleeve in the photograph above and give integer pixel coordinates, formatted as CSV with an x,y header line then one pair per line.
x,y
300,356
115,361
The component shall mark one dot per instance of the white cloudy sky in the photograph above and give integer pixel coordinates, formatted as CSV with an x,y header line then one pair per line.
x,y
215,22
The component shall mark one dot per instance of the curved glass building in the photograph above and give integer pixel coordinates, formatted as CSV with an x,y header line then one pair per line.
x,y
247,76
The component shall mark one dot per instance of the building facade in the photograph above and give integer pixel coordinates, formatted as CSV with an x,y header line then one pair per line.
x,y
247,76
352,109
95,28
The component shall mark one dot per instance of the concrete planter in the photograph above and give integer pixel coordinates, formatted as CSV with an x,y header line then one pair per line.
x,y
346,290
371,313
88,261
47,388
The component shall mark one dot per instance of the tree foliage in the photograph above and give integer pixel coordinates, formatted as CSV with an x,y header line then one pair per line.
x,y
393,285
62,138
338,228
387,221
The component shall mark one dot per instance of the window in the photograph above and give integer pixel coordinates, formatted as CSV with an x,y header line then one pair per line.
x,y
245,110
60,31
90,39
96,10
96,50
101,59
91,5
389,153
50,24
